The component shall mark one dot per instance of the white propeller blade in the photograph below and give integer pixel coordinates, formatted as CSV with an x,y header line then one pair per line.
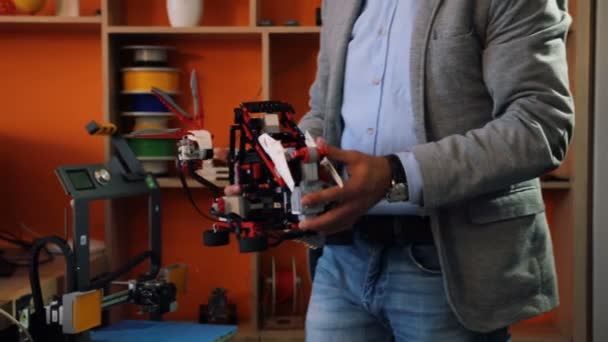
x,y
276,152
310,142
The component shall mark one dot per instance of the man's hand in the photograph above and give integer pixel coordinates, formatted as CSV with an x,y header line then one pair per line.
x,y
369,180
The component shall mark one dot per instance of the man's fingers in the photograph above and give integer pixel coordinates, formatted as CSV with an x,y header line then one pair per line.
x,y
332,194
335,153
232,190
329,195
341,155
329,221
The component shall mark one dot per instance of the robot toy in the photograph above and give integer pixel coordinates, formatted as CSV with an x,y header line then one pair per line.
x,y
274,163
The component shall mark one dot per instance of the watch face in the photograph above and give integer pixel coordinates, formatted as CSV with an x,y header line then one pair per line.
x,y
397,193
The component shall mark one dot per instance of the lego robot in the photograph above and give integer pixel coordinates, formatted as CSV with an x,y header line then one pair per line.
x,y
275,164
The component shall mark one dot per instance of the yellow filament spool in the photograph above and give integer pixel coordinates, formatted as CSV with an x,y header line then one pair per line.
x,y
142,123
144,78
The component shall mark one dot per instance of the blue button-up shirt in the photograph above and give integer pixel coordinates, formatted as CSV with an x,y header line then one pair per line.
x,y
376,109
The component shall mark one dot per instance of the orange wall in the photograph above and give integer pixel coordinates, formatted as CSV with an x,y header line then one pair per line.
x,y
50,87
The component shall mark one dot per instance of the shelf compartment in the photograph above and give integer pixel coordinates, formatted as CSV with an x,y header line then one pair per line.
x,y
228,71
154,13
280,11
283,255
292,70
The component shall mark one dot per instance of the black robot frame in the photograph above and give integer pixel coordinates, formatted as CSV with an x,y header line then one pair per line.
x,y
269,219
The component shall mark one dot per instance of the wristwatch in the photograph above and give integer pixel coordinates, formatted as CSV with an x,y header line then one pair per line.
x,y
399,191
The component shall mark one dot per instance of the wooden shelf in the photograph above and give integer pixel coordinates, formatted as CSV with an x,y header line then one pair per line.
x,y
182,30
33,23
290,29
169,183
207,30
33,19
556,185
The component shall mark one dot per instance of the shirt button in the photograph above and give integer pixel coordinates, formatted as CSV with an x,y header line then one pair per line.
x,y
370,131
381,31
376,81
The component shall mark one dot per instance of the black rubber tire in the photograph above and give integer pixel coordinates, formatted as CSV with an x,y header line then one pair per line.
x,y
257,243
216,238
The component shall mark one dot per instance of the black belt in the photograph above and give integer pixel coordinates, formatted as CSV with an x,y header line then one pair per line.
x,y
386,230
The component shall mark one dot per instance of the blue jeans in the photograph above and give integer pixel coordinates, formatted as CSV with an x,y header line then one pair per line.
x,y
366,292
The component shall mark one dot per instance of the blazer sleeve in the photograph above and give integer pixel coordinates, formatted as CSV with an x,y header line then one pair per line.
x,y
314,120
526,73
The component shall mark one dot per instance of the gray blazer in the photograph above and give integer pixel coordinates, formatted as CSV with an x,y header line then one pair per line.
x,y
492,104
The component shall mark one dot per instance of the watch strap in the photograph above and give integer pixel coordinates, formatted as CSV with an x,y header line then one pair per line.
x,y
397,170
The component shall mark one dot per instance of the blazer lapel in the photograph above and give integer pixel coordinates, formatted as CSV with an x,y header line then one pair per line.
x,y
427,11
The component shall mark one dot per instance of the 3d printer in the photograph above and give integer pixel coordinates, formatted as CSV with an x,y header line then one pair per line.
x,y
71,316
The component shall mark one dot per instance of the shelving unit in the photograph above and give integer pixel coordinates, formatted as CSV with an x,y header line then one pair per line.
x,y
238,60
